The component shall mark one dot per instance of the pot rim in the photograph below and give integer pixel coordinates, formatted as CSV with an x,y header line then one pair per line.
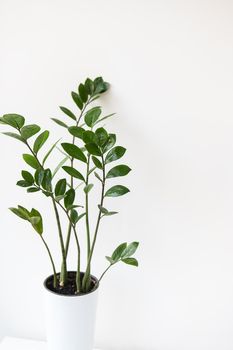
x,y
95,279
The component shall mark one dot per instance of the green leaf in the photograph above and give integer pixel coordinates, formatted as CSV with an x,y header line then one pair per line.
x,y
74,151
62,162
47,180
130,250
77,100
92,116
87,188
81,216
116,191
109,259
100,85
110,213
114,154
76,131
20,212
40,140
116,255
130,261
15,136
49,152
119,170
36,221
93,149
102,209
89,86
102,136
73,172
110,143
104,118
82,93
74,216
39,175
60,187
89,137
97,162
68,112
31,160
33,189
27,176
29,130
59,122
23,183
97,176
14,120
69,198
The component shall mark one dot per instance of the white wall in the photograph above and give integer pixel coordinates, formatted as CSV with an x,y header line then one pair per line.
x,y
170,65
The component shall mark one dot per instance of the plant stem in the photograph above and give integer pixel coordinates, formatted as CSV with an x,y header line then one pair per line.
x,y
106,271
87,209
63,276
86,278
52,262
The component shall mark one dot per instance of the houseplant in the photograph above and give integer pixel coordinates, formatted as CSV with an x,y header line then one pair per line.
x,y
86,159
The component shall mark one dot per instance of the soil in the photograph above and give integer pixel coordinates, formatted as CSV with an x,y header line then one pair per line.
x,y
70,288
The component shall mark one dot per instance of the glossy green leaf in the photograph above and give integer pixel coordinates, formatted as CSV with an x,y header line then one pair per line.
x,y
119,170
81,216
27,176
130,261
29,130
74,151
33,189
102,209
74,216
47,180
59,122
115,154
92,116
60,187
116,255
31,160
100,85
40,140
110,143
69,198
49,152
130,250
14,120
36,221
68,112
89,86
76,131
15,136
116,191
89,137
73,172
77,100
97,162
39,175
102,136
87,188
82,93
23,183
110,259
20,213
93,149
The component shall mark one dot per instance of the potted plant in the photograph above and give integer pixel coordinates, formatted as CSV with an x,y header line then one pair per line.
x,y
71,295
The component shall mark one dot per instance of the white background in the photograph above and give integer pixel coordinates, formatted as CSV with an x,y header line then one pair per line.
x,y
170,64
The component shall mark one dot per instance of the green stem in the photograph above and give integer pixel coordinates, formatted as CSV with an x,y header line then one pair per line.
x,y
106,271
87,210
52,262
86,278
63,276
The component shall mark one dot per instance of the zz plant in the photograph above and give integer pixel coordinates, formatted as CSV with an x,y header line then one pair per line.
x,y
87,159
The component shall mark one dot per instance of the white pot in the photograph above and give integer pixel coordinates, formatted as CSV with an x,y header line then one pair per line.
x,y
70,320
